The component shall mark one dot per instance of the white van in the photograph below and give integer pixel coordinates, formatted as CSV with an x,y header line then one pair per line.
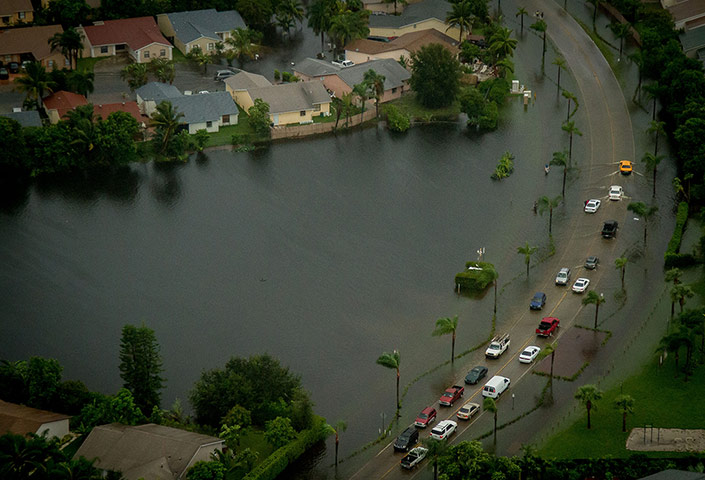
x,y
495,386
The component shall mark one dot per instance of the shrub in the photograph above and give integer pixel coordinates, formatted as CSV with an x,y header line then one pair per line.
x,y
489,117
476,276
505,167
277,75
679,260
396,120
674,244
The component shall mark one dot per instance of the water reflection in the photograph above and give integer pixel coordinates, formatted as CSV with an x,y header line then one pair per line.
x,y
14,194
87,187
165,184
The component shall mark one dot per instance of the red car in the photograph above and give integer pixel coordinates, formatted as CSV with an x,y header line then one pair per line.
x,y
547,326
426,417
451,395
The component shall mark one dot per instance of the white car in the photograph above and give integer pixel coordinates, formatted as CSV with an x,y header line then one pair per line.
x,y
592,205
467,411
414,457
616,192
581,285
529,354
444,429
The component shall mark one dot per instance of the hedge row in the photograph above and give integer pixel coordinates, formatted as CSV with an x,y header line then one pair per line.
x,y
476,277
672,258
274,464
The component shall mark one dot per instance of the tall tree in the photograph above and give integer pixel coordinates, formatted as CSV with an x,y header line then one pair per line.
x,y
673,275
69,43
560,63
435,75
521,13
625,404
652,162
81,82
592,297
362,91
571,98
639,60
527,251
657,129
570,128
501,44
163,69
621,265
338,428
289,12
447,326
135,74
588,395
621,31
376,84
391,360
35,83
594,3
489,405
460,16
540,26
680,293
550,349
436,450
560,159
546,203
141,366
645,212
348,26
319,16
244,44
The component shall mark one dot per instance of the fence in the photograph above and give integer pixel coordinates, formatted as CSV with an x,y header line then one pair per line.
x,y
318,128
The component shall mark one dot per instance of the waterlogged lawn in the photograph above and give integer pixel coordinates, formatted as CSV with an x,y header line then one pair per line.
x,y
409,105
660,399
254,440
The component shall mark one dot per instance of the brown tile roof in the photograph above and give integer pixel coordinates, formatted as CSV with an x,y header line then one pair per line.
x,y
411,42
687,10
135,32
63,102
23,420
34,40
105,109
10,7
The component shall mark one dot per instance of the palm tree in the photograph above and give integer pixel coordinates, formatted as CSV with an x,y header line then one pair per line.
x,y
376,84
291,11
621,264
135,74
593,297
521,13
490,405
570,97
549,204
445,326
640,209
560,63
621,31
166,120
69,43
436,449
503,66
391,360
657,128
653,90
338,428
460,16
163,69
679,293
550,349
81,82
595,3
319,17
540,26
244,43
639,59
560,159
587,395
83,125
348,26
502,45
362,91
674,275
624,403
652,162
570,128
35,83
527,251
672,343
347,104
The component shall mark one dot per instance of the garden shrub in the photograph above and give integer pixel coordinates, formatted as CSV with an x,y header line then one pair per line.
x,y
674,244
679,260
476,276
505,167
396,120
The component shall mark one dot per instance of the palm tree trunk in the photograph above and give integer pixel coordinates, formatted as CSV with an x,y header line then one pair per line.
x,y
550,219
624,421
495,427
570,148
550,379
322,42
597,309
398,406
644,233
336,449
452,350
568,117
559,78
588,406
654,192
623,268
495,300
565,172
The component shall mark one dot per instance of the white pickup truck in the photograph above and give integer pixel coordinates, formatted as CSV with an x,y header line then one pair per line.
x,y
498,345
344,63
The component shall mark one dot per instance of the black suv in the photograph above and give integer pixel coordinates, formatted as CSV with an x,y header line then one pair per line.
x,y
406,440
609,229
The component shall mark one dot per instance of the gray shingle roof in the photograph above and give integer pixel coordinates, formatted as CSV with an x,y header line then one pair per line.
x,y
675,475
292,97
205,107
195,24
693,39
314,67
141,450
157,91
246,80
416,12
26,119
394,74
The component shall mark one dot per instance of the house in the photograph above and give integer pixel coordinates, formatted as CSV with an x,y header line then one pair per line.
x,y
693,42
314,69
13,12
205,111
364,50
675,475
104,110
199,28
289,103
687,14
31,43
425,15
139,37
28,118
152,94
22,420
60,103
150,451
342,81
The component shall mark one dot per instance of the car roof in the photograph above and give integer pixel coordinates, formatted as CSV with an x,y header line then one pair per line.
x,y
427,410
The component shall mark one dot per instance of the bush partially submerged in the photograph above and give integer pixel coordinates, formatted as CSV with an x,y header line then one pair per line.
x,y
476,277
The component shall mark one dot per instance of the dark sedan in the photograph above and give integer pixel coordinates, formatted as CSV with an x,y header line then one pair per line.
x,y
475,375
14,67
538,301
4,74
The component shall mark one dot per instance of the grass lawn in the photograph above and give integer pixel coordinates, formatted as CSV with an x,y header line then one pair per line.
x,y
87,64
407,104
177,56
254,440
224,136
660,399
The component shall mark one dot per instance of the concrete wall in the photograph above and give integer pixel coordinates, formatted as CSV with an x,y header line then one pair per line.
x,y
318,128
58,429
150,52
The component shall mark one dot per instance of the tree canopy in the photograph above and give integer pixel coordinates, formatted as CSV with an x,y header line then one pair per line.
x,y
435,76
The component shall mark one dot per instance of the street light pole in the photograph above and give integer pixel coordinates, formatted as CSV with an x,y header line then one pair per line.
x,y
512,401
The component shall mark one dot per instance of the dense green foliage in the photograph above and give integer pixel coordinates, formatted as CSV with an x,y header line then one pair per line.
x,y
674,244
476,276
141,366
279,432
260,385
203,470
396,120
435,76
505,167
259,118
